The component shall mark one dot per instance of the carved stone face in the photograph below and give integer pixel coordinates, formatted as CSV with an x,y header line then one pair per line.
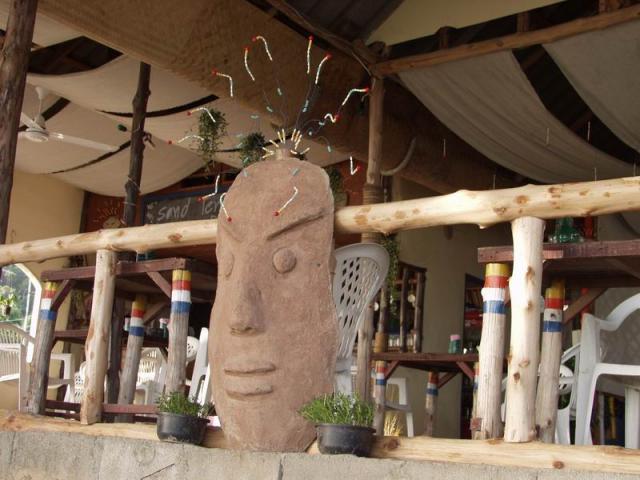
x,y
274,329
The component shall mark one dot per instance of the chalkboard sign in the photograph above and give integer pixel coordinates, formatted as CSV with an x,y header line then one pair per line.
x,y
180,206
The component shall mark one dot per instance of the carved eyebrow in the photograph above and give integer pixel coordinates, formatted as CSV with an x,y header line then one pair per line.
x,y
296,224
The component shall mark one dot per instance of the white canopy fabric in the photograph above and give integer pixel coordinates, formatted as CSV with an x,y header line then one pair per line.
x,y
111,88
46,31
604,68
489,102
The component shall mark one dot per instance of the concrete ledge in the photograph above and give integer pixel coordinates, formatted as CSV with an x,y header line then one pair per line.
x,y
73,456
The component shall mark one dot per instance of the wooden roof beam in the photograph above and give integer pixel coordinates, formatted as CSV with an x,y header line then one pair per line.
x,y
509,42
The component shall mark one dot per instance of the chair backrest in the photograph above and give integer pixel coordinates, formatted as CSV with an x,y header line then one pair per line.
x,y
193,346
13,344
360,271
198,388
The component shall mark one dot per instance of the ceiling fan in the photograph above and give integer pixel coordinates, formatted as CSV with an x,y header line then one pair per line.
x,y
37,131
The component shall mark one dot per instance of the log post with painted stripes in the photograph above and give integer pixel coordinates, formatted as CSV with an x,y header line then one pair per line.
x,y
487,422
129,376
379,397
548,381
39,368
178,331
430,404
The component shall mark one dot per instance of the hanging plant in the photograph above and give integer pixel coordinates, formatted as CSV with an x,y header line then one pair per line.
x,y
390,244
336,181
211,133
250,148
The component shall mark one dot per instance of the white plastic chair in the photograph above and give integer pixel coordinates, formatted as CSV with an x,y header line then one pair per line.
x,y
592,366
360,270
199,384
403,402
14,343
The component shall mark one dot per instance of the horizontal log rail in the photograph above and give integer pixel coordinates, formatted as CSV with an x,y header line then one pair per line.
x,y
483,208
508,42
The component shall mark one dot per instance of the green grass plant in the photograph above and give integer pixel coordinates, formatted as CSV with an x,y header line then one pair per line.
x,y
340,409
180,404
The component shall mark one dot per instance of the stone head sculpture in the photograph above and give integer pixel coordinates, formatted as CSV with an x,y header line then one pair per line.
x,y
274,328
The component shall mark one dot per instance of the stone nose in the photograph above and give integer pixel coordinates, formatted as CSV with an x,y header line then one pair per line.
x,y
247,315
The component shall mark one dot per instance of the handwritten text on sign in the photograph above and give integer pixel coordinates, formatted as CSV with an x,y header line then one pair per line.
x,y
182,206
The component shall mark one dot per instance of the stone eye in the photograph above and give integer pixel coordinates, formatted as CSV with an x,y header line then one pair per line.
x,y
284,260
225,262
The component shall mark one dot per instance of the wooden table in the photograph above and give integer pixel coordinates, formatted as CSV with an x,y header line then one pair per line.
x,y
596,266
450,364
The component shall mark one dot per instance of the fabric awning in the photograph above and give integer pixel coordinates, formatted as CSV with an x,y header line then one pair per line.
x,y
489,102
604,68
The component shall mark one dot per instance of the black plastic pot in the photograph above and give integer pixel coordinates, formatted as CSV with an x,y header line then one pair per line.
x,y
176,428
341,439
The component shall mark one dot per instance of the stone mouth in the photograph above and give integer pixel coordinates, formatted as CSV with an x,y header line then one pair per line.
x,y
246,368
247,390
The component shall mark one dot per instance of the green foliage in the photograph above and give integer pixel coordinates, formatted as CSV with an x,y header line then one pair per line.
x,y
15,296
179,403
251,148
336,182
211,133
390,243
339,409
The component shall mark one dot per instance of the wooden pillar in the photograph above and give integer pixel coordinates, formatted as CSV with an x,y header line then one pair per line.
x,y
132,187
379,396
548,381
129,375
430,404
372,193
524,286
115,351
14,61
404,292
487,422
178,331
416,332
39,368
97,346
381,338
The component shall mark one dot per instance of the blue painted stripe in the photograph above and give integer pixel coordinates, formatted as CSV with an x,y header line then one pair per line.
x,y
48,314
493,306
180,307
137,331
554,327
381,381
432,391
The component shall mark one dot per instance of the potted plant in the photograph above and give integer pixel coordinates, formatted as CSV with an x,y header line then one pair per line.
x,y
182,420
343,423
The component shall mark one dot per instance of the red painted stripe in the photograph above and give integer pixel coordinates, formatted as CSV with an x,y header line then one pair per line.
x,y
181,285
49,294
496,282
135,312
556,303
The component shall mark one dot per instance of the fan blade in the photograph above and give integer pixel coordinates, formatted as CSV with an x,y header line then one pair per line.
x,y
82,142
28,121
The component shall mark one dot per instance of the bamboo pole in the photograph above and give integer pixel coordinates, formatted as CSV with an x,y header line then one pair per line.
x,y
430,404
129,375
14,62
39,368
178,331
491,358
404,292
96,348
548,382
380,397
483,208
524,287
416,332
372,194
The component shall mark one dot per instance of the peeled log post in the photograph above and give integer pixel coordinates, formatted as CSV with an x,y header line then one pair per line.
x,y
39,367
487,422
430,404
129,376
483,208
178,331
97,346
372,194
524,287
115,351
14,61
548,382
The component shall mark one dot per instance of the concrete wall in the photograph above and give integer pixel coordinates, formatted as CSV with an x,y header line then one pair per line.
x,y
447,257
41,207
67,456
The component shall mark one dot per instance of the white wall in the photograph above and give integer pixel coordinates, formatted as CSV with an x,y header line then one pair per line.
x,y
447,261
41,207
